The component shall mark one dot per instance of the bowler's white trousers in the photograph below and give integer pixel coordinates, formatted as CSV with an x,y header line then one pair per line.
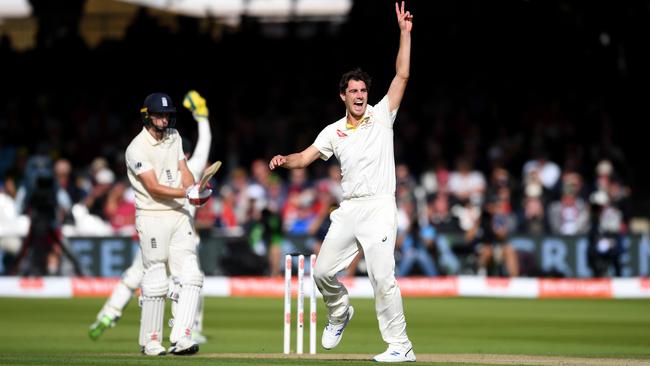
x,y
372,223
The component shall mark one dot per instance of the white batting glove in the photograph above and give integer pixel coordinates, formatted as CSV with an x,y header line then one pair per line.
x,y
197,198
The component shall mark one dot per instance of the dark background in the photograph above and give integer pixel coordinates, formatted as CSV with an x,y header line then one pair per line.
x,y
507,76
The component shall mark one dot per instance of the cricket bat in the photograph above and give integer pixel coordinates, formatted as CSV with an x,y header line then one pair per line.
x,y
208,173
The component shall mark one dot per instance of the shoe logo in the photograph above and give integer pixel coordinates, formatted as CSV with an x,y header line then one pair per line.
x,y
394,353
384,239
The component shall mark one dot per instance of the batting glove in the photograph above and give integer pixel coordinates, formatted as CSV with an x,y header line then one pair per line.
x,y
197,198
196,104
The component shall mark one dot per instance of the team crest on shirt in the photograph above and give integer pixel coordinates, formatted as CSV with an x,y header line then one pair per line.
x,y
341,134
366,121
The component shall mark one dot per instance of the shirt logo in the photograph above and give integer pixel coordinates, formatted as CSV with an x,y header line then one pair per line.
x,y
341,133
169,175
154,245
138,165
365,122
384,239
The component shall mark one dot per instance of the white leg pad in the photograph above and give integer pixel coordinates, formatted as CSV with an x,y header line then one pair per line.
x,y
188,301
153,311
154,290
186,313
154,281
198,318
141,338
117,302
132,277
173,294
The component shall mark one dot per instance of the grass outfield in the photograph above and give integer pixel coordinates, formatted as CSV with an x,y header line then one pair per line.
x,y
445,331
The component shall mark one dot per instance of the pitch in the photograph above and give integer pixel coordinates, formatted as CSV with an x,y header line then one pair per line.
x,y
248,331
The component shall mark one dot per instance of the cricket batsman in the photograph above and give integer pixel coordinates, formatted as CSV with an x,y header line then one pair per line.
x,y
131,279
158,171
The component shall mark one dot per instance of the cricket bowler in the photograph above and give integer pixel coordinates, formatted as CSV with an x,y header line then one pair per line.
x,y
362,141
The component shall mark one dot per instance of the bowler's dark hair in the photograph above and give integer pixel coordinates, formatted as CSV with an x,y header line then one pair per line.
x,y
356,74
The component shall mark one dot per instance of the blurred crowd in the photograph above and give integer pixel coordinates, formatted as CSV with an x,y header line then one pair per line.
x,y
508,125
266,208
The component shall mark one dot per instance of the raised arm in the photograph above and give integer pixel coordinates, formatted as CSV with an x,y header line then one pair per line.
x,y
297,160
402,64
196,104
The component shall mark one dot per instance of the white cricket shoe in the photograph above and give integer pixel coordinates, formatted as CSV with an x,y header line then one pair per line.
x,y
153,348
332,334
184,346
396,353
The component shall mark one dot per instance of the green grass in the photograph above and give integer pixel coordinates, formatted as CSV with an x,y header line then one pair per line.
x,y
48,332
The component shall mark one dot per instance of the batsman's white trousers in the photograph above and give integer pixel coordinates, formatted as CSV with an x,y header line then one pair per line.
x,y
372,223
167,239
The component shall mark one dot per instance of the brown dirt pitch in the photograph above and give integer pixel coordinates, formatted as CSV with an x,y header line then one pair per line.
x,y
479,359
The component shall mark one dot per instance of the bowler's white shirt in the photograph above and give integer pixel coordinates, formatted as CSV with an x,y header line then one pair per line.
x,y
365,152
146,153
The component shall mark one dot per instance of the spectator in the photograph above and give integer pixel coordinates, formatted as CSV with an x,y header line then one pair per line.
x,y
605,236
12,225
43,246
569,215
532,217
465,183
494,238
543,169
416,243
298,180
277,193
68,193
239,189
120,209
265,232
405,183
96,200
225,210
440,215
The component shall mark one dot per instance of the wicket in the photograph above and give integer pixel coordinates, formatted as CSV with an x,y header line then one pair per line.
x,y
300,319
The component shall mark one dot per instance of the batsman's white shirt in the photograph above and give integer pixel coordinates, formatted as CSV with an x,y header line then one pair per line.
x,y
367,216
145,153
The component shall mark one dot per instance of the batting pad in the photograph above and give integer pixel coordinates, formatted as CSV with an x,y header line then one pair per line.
x,y
154,290
173,295
198,319
132,277
119,298
185,312
151,325
154,281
